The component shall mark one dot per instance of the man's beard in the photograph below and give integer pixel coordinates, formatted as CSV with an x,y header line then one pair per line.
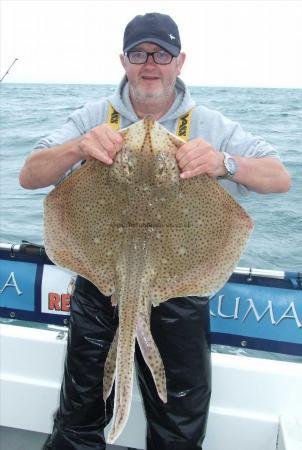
x,y
141,95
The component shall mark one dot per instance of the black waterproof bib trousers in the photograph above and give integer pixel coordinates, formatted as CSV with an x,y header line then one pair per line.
x,y
180,328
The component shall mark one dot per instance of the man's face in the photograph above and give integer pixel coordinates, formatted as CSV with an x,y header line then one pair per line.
x,y
150,81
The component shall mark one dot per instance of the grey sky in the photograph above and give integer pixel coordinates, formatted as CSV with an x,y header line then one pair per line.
x,y
228,43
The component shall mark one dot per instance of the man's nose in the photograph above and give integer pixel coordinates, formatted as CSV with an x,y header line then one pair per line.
x,y
150,60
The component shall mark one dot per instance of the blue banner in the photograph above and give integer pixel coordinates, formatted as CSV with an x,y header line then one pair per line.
x,y
17,285
272,315
259,313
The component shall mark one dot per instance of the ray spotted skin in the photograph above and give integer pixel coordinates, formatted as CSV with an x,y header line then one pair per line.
x,y
110,368
130,293
140,232
149,349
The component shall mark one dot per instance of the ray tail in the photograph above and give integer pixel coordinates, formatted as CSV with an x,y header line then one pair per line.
x,y
131,292
109,369
149,349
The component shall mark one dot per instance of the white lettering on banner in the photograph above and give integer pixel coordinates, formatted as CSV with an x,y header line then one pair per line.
x,y
294,316
252,307
11,282
236,309
289,313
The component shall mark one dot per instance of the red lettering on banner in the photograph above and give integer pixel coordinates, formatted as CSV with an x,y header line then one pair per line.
x,y
58,302
65,302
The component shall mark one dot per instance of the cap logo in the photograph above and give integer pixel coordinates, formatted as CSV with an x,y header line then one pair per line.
x,y
171,37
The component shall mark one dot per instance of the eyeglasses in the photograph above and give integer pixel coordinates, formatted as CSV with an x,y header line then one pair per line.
x,y
140,57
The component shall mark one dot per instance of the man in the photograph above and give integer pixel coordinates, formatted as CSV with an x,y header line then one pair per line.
x,y
152,61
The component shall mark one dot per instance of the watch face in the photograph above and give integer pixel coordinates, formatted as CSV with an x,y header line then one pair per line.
x,y
231,166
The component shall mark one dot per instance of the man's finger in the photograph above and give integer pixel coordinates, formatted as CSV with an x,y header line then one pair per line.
x,y
190,146
103,140
99,154
114,137
190,158
200,170
184,150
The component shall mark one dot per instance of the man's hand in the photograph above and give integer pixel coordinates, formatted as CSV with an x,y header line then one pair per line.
x,y
263,175
102,143
198,157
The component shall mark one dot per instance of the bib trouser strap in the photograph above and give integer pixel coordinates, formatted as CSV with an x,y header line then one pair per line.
x,y
182,130
184,126
113,118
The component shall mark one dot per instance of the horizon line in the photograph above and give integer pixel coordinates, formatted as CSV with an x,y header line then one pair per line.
x,y
81,83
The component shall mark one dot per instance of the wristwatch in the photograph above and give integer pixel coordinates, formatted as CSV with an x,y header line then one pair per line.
x,y
230,165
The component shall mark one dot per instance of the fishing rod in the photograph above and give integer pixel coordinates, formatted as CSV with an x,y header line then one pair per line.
x,y
16,59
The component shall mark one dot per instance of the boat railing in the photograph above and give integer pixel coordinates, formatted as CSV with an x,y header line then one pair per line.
x,y
256,309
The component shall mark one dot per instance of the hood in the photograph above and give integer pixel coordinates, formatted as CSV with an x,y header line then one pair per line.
x,y
183,102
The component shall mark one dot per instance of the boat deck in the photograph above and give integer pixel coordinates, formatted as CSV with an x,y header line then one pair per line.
x,y
14,439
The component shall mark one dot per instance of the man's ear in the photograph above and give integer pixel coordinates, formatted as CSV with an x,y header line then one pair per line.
x,y
122,59
180,62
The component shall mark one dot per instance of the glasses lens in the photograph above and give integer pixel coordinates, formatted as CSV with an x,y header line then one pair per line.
x,y
162,57
137,57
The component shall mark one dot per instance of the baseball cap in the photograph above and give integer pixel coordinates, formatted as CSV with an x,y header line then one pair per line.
x,y
157,28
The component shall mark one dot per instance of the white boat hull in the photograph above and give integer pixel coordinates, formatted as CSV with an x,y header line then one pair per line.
x,y
256,403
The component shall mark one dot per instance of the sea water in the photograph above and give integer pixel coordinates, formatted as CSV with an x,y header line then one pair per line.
x,y
30,111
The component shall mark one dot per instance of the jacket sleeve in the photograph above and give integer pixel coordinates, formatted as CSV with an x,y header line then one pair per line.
x,y
228,136
77,124
237,141
225,135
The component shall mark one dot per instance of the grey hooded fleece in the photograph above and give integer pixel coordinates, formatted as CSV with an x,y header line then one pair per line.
x,y
222,133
